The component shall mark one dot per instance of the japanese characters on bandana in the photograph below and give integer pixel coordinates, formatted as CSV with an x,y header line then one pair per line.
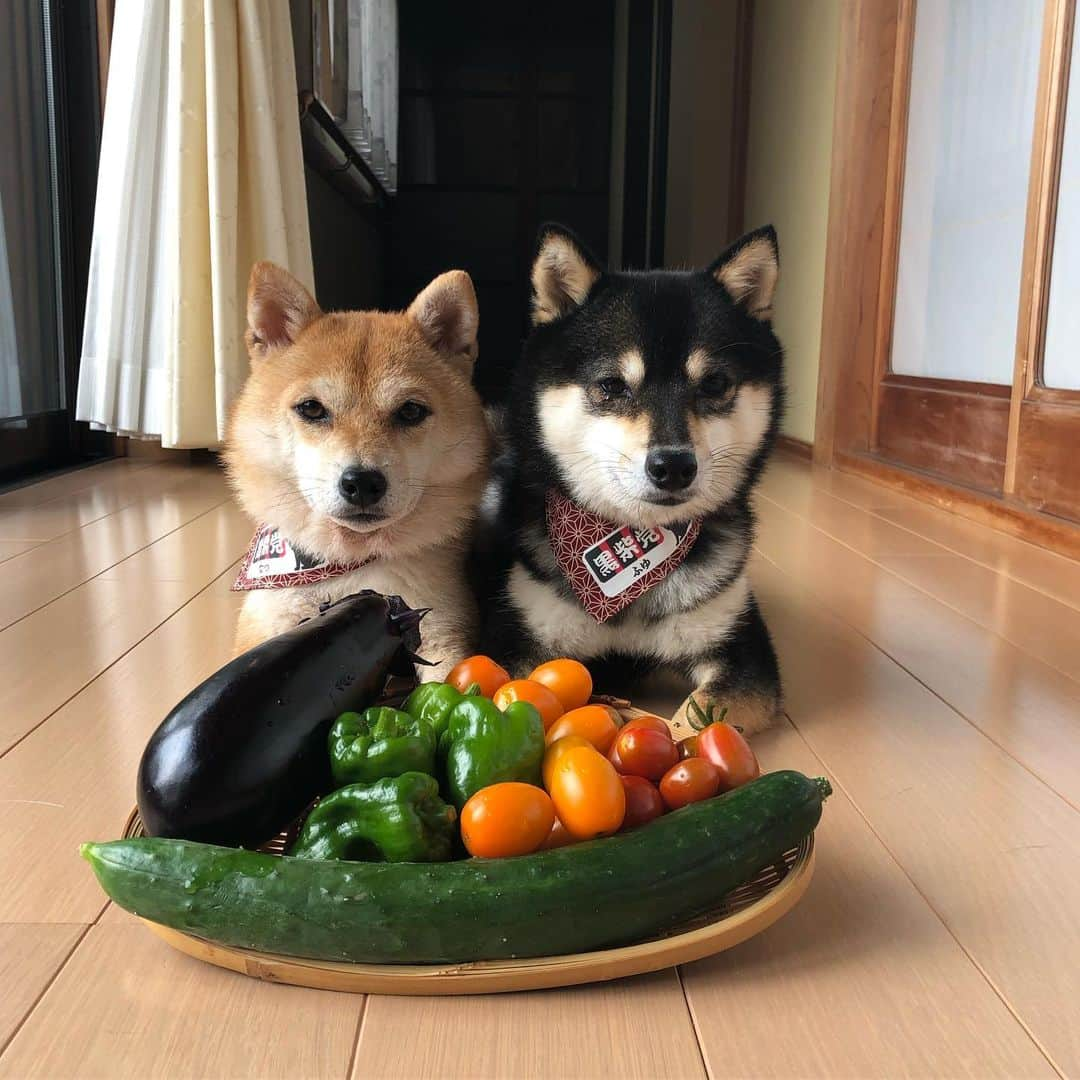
x,y
273,563
609,566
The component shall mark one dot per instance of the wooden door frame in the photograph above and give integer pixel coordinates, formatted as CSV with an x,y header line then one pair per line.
x,y
869,126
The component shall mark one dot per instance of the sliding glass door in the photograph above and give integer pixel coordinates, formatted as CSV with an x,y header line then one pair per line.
x,y
977,359
48,140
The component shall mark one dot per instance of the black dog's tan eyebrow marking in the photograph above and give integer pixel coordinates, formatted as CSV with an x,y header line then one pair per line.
x,y
632,368
697,365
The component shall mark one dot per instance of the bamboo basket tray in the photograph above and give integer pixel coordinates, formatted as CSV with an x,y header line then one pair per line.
x,y
738,916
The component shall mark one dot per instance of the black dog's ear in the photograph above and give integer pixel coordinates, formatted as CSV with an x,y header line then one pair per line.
x,y
748,270
564,271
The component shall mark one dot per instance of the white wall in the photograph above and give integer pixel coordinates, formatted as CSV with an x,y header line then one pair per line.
x,y
793,79
696,227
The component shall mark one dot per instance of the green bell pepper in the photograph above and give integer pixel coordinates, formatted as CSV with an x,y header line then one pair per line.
x,y
396,819
483,745
365,747
434,702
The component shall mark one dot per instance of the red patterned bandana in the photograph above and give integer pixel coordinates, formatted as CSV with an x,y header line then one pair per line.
x,y
609,566
273,563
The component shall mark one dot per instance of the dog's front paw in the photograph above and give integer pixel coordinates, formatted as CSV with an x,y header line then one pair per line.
x,y
750,713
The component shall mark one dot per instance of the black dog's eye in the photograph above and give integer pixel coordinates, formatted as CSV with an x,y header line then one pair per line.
x,y
613,387
312,410
717,385
412,413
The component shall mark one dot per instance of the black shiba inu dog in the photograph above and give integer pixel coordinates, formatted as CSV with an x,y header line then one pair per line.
x,y
641,413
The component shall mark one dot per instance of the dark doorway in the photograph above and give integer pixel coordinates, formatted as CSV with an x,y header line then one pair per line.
x,y
505,122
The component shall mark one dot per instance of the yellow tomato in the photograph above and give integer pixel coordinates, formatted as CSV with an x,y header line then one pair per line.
x,y
569,680
588,794
536,694
593,722
506,819
556,750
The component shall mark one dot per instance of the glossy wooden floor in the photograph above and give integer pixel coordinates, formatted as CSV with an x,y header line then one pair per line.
x,y
932,670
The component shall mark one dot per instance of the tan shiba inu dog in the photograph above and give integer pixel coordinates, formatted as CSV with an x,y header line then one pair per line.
x,y
360,448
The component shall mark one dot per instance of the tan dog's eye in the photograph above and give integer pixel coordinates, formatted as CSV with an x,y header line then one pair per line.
x,y
412,413
312,410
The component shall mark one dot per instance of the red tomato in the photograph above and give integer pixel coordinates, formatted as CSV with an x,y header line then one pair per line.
x,y
613,756
478,669
506,819
690,781
726,748
643,802
651,723
644,752
688,747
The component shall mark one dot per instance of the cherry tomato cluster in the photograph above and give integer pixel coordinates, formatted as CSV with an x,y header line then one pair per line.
x,y
599,777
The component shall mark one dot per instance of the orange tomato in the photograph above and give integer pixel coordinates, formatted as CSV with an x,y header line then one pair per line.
x,y
593,722
569,680
536,694
652,723
506,819
589,797
558,837
556,750
692,780
729,751
478,669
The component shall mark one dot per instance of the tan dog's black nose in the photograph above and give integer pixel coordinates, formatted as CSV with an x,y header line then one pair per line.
x,y
362,487
670,468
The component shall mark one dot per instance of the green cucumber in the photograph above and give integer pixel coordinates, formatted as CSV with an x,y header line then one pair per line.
x,y
587,896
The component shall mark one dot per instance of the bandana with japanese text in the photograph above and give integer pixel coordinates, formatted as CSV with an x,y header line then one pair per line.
x,y
609,566
273,563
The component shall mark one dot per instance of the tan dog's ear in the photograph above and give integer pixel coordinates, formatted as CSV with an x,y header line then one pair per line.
x,y
278,308
448,315
749,269
563,274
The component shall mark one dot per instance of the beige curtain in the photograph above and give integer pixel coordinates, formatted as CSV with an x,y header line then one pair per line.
x,y
201,174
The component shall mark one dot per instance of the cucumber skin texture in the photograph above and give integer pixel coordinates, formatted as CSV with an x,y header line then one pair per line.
x,y
598,894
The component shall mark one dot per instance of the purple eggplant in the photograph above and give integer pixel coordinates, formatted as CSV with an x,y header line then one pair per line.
x,y
245,753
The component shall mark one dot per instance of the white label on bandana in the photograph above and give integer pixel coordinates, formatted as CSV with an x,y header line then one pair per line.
x,y
272,555
627,554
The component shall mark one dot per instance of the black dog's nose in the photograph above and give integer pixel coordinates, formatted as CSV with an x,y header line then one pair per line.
x,y
671,469
362,487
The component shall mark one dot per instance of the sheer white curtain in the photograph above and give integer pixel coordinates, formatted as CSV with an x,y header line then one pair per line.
x,y
201,174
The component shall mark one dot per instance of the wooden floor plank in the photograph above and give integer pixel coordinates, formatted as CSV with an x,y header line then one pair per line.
x,y
198,552
628,1028
1036,623
31,580
1024,705
126,1005
73,779
993,850
794,485
48,520
30,955
860,980
52,654
106,475
10,548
